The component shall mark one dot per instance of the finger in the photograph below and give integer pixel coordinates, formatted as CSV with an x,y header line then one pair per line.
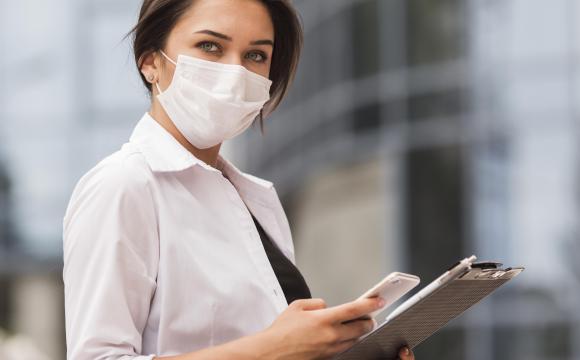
x,y
375,324
354,329
309,304
406,354
354,309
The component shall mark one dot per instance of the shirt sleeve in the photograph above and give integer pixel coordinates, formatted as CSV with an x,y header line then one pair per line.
x,y
111,256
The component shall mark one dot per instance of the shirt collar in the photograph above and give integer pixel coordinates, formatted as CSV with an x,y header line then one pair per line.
x,y
164,153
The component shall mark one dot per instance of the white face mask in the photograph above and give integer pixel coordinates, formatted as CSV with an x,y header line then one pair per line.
x,y
210,102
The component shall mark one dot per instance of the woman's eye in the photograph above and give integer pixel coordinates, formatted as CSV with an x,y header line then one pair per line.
x,y
208,46
256,56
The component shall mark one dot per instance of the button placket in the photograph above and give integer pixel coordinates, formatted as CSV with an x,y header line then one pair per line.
x,y
256,248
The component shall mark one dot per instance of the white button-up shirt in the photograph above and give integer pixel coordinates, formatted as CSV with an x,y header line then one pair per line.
x,y
161,255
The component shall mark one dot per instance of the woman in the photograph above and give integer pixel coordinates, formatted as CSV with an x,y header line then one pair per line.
x,y
170,252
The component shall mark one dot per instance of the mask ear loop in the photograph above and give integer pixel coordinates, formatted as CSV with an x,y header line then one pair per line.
x,y
168,58
158,88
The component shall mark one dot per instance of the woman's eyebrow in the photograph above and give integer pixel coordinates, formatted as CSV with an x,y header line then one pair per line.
x,y
262,42
214,33
228,38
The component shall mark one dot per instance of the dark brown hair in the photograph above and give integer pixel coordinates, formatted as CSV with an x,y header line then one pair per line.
x,y
158,17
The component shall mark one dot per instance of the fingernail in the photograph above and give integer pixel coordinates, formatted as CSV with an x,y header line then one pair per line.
x,y
406,351
381,302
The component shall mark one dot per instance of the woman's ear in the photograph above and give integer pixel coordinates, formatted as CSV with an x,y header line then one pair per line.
x,y
150,67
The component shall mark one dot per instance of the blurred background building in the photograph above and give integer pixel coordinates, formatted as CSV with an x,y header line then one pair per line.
x,y
417,132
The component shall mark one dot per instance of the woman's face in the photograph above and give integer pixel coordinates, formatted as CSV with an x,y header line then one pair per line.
x,y
226,31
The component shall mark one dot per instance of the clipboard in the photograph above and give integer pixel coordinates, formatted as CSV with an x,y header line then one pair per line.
x,y
459,288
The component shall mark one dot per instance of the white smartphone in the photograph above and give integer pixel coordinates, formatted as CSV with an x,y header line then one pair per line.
x,y
391,289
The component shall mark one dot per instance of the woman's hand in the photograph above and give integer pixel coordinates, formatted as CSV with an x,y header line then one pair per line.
x,y
307,329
